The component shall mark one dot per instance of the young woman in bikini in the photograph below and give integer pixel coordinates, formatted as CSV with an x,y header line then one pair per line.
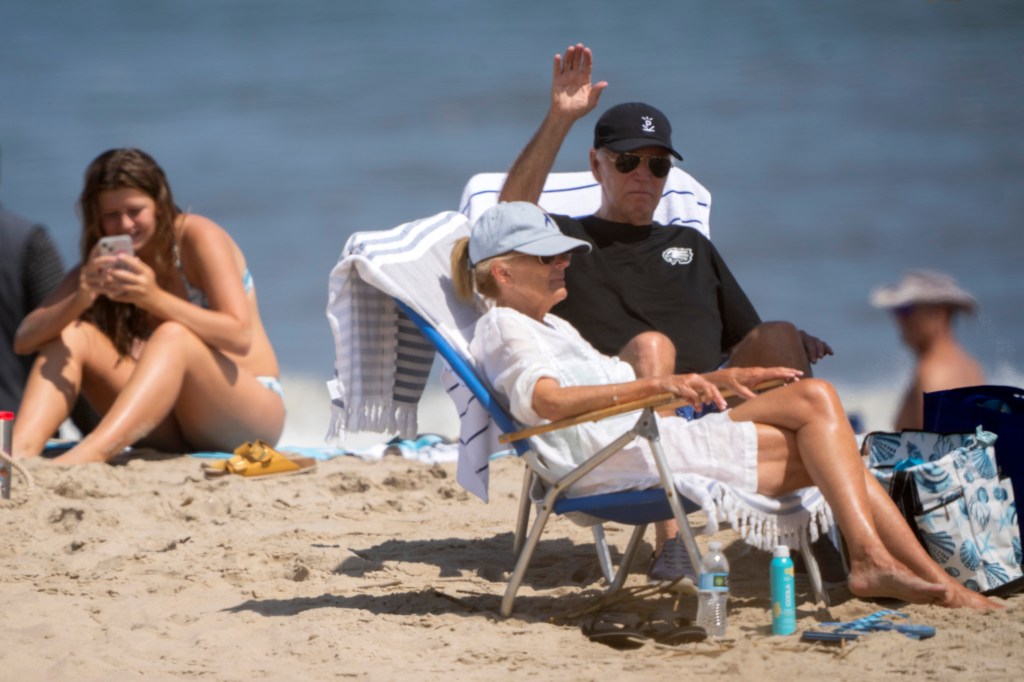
x,y
166,344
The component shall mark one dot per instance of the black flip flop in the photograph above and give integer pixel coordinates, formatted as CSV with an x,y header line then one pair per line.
x,y
619,630
678,634
671,629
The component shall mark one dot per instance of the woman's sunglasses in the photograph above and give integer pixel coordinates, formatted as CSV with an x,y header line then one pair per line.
x,y
627,163
548,260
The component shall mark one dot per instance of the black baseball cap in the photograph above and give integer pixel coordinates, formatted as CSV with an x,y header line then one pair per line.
x,y
630,126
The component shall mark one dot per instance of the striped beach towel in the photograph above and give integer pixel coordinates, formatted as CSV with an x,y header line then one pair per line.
x,y
382,362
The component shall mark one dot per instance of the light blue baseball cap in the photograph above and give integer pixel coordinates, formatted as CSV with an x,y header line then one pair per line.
x,y
519,226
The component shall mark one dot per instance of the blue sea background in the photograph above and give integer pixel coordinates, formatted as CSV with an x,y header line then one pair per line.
x,y
843,142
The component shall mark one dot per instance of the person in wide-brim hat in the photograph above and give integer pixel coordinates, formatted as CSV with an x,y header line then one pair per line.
x,y
924,304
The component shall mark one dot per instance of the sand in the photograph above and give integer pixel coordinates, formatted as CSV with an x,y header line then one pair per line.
x,y
381,570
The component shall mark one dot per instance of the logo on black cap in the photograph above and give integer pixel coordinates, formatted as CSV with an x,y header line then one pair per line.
x,y
631,126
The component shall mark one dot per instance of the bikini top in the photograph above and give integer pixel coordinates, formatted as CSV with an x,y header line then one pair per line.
x,y
197,296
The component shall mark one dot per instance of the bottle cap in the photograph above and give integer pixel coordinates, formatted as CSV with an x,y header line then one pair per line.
x,y
781,551
7,416
715,546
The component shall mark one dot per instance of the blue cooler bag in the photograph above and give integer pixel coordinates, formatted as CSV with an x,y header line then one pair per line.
x,y
999,409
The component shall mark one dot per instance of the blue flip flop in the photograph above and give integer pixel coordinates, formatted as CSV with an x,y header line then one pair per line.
x,y
879,621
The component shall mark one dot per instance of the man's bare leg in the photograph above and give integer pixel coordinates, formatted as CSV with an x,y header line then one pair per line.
x,y
772,344
653,354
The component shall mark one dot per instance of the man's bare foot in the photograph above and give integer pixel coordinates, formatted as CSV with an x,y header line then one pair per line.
x,y
896,582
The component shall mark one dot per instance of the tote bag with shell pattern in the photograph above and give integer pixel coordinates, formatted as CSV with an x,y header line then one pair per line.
x,y
949,489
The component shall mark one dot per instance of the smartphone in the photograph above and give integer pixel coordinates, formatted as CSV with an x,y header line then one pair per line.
x,y
111,246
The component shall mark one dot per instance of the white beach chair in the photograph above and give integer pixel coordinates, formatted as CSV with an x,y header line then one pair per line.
x,y
684,201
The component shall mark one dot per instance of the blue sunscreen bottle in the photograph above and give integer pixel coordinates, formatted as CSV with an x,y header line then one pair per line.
x,y
783,580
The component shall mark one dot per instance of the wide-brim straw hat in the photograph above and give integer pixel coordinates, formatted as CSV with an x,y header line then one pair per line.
x,y
923,286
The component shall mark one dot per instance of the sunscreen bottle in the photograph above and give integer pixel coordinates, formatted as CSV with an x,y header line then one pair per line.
x,y
783,581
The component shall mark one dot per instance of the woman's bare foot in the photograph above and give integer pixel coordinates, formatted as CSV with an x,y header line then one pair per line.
x,y
80,455
895,582
962,598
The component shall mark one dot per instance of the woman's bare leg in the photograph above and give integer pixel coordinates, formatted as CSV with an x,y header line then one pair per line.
x,y
822,451
214,403
82,360
899,539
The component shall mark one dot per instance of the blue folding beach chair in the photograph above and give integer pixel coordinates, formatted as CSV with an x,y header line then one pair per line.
x,y
390,283
637,508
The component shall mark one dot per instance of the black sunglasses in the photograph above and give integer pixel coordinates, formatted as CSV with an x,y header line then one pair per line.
x,y
548,260
658,165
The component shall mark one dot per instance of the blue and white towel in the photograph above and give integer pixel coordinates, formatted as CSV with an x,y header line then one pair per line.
x,y
382,362
684,200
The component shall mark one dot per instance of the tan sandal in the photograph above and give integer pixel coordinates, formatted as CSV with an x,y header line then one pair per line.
x,y
259,459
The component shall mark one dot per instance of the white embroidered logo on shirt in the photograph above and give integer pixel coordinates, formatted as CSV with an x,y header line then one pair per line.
x,y
648,126
677,255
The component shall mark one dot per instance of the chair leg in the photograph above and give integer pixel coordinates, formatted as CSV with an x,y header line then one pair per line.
x,y
648,428
813,571
524,557
616,577
523,517
837,541
627,558
604,555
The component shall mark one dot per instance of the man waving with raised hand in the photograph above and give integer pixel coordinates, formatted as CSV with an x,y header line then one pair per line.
x,y
661,298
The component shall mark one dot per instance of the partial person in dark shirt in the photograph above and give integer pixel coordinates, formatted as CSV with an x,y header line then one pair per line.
x,y
30,267
661,298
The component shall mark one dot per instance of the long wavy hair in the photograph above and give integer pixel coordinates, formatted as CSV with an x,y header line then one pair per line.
x,y
121,169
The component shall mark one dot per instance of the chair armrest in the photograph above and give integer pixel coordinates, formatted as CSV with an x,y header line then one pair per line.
x,y
659,400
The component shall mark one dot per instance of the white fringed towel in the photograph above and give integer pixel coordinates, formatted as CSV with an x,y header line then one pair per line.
x,y
761,521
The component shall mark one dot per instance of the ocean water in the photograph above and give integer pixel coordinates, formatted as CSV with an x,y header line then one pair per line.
x,y
842,142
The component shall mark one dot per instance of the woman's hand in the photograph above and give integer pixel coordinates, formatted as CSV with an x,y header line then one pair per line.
x,y
130,280
742,380
94,277
694,389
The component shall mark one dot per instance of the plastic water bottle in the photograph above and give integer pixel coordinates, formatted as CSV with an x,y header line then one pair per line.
x,y
713,591
783,581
